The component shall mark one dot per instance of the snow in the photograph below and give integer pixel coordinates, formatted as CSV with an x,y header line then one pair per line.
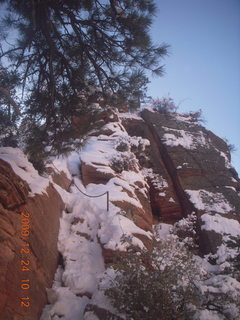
x,y
129,115
24,169
230,187
95,151
162,230
225,253
187,140
220,224
102,153
70,164
208,315
67,306
89,315
209,201
184,118
87,226
149,108
157,180
227,162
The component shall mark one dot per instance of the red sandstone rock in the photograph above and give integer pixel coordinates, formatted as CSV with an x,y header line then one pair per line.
x,y
13,190
60,178
90,174
44,213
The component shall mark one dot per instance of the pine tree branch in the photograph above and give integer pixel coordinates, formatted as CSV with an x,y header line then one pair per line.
x,y
7,95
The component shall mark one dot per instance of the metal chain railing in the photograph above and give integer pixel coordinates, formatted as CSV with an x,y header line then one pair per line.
x,y
85,194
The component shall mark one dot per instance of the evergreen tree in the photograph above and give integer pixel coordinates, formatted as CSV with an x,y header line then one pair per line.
x,y
72,53
9,109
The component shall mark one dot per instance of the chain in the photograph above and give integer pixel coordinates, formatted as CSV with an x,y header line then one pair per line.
x,y
85,194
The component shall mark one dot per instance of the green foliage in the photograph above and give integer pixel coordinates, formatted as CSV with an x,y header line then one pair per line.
x,y
186,231
125,161
9,111
157,284
73,53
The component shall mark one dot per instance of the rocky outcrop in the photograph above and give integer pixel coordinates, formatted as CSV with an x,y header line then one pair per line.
x,y
185,169
197,162
13,190
155,168
111,161
165,203
60,178
29,228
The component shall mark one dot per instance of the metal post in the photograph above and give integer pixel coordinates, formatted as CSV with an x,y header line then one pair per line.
x,y
107,200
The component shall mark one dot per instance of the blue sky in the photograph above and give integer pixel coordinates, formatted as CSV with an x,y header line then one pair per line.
x,y
203,67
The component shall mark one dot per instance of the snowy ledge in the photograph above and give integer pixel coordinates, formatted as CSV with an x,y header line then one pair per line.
x,y
24,169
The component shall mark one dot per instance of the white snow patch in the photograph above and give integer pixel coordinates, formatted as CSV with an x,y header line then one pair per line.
x,y
221,225
162,230
184,118
24,169
183,138
129,115
209,201
227,162
157,180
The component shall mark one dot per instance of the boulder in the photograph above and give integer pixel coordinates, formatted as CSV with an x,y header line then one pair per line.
x,y
92,174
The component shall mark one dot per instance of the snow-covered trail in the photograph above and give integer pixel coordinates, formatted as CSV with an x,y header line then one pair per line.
x,y
77,280
85,227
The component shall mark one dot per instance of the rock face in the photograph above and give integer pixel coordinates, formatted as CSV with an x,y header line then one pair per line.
x,y
165,203
112,160
28,245
156,168
197,163
184,168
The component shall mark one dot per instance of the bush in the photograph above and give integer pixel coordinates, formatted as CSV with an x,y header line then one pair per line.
x,y
197,116
231,147
186,230
170,283
165,105
124,161
155,285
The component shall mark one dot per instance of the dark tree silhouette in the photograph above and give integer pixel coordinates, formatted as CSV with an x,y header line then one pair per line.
x,y
9,108
71,53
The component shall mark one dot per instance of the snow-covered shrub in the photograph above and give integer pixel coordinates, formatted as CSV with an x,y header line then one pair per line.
x,y
133,144
156,179
185,229
122,146
197,116
220,295
170,283
123,161
231,147
157,284
165,105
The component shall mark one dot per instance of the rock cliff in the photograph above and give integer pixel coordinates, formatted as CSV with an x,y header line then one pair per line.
x,y
28,237
195,164
157,169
